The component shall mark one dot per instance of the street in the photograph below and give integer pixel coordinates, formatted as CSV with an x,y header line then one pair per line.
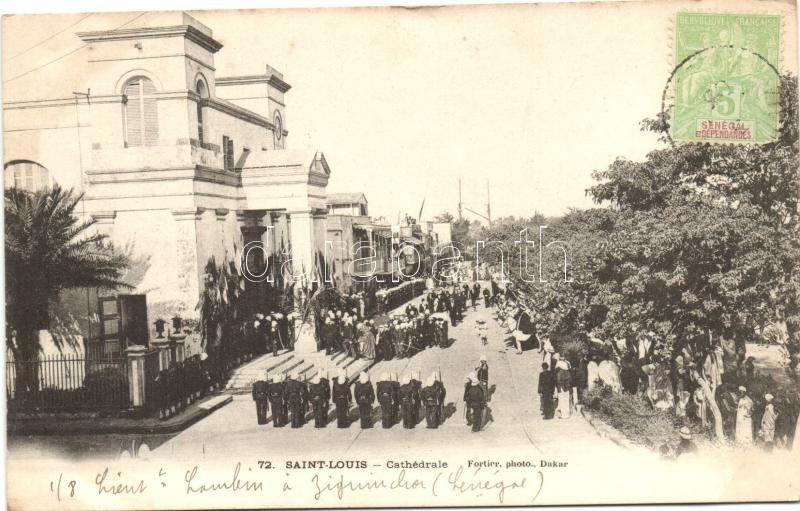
x,y
515,426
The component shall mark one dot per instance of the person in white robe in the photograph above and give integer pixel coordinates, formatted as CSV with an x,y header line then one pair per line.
x,y
744,419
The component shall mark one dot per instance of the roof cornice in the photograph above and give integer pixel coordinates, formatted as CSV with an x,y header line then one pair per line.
x,y
189,32
273,80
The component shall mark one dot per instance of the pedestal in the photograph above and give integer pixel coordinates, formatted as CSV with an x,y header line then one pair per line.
x,y
135,356
180,348
164,352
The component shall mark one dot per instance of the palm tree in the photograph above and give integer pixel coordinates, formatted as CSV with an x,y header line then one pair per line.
x,y
48,249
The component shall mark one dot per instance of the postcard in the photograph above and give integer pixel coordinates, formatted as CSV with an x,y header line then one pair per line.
x,y
464,255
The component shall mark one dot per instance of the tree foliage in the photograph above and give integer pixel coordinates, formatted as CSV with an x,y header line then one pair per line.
x,y
49,249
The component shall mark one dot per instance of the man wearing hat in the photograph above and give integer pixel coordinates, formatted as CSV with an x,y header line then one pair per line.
x,y
327,334
277,394
396,391
261,397
441,392
685,446
407,402
320,401
385,391
365,396
275,337
296,397
342,399
476,402
482,371
430,399
767,431
416,383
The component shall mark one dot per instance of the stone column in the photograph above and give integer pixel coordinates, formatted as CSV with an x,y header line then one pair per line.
x,y
136,375
302,236
188,273
164,352
180,348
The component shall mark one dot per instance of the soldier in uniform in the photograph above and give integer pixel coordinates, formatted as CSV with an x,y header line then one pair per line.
x,y
396,396
440,395
261,397
319,395
275,336
429,397
407,401
476,402
296,397
342,398
416,382
327,335
172,389
160,395
385,389
277,393
365,396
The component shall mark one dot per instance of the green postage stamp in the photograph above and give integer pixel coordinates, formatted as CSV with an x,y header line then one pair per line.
x,y
726,78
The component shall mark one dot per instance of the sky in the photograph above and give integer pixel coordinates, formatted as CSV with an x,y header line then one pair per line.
x,y
405,102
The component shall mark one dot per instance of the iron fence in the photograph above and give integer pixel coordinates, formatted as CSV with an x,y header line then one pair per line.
x,y
58,383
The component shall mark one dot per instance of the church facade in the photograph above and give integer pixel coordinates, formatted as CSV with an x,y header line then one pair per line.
x,y
178,166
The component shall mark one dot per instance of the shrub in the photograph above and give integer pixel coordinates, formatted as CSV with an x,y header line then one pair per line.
x,y
106,386
633,417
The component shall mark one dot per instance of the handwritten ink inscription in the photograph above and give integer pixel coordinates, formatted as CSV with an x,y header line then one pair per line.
x,y
328,482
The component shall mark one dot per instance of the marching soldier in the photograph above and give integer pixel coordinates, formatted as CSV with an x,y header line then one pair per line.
x,y
296,397
406,395
385,389
323,379
261,397
277,393
430,398
475,402
320,401
396,396
365,396
416,383
440,395
342,398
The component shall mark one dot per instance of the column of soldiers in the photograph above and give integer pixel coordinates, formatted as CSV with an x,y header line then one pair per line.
x,y
406,400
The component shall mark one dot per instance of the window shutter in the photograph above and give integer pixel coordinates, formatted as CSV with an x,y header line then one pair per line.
x,y
231,163
150,113
133,116
141,113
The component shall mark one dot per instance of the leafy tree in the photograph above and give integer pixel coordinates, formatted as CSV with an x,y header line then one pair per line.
x,y
763,177
48,249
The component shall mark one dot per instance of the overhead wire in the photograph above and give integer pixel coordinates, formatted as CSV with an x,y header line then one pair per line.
x,y
68,53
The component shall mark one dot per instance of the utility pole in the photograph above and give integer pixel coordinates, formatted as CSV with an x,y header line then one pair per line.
x,y
488,205
460,216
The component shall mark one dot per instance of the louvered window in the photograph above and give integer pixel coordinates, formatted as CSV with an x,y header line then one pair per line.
x,y
26,175
141,113
227,153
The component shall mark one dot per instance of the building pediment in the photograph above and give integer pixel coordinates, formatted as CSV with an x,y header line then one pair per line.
x,y
290,162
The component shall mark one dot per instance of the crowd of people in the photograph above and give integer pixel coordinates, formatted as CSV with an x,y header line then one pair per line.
x,y
567,375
